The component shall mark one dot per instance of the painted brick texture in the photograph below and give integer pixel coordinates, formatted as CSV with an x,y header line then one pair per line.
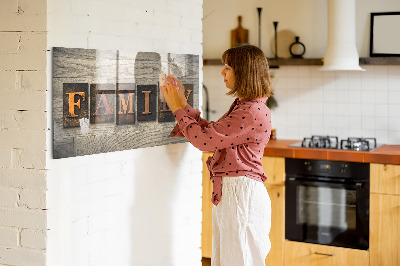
x,y
134,207
33,239
23,218
9,237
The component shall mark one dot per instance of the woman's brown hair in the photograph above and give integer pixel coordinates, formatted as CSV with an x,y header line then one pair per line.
x,y
250,66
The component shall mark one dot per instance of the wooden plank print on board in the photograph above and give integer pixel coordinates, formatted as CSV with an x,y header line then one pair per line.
x,y
126,103
108,100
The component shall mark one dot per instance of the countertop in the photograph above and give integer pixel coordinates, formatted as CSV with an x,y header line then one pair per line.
x,y
389,154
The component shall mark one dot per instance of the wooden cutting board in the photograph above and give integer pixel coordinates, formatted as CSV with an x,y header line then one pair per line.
x,y
239,35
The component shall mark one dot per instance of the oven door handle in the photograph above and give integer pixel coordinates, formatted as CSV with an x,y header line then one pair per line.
x,y
357,185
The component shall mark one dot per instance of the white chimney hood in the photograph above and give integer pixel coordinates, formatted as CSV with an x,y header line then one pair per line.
x,y
341,51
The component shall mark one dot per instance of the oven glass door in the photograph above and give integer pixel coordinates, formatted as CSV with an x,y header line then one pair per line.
x,y
325,207
326,213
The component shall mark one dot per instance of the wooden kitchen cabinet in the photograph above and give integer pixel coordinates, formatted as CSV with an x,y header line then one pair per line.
x,y
274,168
305,254
385,178
277,233
206,225
384,236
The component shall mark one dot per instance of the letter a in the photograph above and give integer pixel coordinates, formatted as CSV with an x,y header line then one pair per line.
x,y
103,99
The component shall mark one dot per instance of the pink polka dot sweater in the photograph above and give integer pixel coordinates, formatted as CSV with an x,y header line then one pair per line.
x,y
238,139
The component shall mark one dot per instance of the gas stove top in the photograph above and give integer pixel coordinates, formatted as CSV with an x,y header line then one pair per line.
x,y
332,142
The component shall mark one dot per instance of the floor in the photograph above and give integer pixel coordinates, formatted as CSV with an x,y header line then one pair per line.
x,y
206,261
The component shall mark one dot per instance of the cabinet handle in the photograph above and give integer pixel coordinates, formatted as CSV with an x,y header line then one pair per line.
x,y
325,254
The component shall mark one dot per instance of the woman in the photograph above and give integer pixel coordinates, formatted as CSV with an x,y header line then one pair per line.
x,y
242,208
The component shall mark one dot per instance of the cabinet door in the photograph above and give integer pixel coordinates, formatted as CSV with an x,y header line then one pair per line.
x,y
385,178
274,168
384,230
304,254
206,232
277,233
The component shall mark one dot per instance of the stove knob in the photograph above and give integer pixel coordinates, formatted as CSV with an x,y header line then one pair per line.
x,y
308,166
343,168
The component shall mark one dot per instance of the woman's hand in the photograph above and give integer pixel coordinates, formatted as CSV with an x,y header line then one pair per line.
x,y
181,92
174,97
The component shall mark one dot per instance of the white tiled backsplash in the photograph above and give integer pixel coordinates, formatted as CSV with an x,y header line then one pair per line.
x,y
339,103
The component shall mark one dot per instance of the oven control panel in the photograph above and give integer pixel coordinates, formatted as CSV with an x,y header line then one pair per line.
x,y
338,169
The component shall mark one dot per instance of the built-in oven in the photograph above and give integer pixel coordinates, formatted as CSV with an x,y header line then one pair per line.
x,y
327,202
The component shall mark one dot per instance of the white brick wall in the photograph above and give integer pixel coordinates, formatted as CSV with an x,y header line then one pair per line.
x,y
34,239
9,197
9,237
23,178
23,132
24,256
102,206
137,207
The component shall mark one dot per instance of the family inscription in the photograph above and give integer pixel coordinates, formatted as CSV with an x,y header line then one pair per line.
x,y
108,100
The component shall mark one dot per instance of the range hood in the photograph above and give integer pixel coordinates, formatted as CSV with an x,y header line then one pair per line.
x,y
341,51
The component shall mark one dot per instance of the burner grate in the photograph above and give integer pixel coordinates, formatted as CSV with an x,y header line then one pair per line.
x,y
358,144
332,142
327,142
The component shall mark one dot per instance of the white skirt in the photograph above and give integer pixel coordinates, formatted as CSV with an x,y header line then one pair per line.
x,y
241,223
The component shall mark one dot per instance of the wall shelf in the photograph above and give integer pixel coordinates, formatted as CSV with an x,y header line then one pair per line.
x,y
274,63
380,61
